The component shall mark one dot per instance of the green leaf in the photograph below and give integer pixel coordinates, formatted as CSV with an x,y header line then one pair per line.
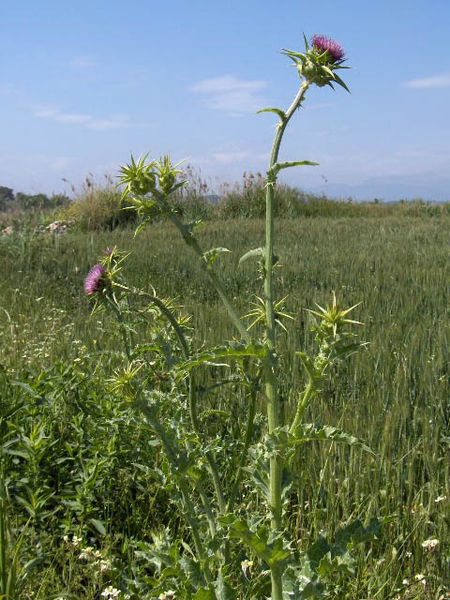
x,y
310,432
271,551
192,570
282,442
341,83
293,53
204,594
300,584
210,256
98,526
224,591
293,163
259,470
236,351
258,252
278,111
27,388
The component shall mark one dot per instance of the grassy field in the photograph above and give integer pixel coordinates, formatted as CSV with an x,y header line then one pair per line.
x,y
69,461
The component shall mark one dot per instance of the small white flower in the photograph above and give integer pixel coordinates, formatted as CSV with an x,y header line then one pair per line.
x,y
86,553
76,540
104,565
421,578
440,499
169,595
405,582
110,593
430,545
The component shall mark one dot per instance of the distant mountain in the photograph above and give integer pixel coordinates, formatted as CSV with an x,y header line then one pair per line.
x,y
388,189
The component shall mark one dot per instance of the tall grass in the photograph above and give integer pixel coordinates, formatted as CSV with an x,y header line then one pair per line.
x,y
395,395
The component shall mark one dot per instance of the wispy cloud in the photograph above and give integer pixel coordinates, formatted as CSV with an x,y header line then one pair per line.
x,y
6,88
83,62
230,157
88,121
435,81
231,94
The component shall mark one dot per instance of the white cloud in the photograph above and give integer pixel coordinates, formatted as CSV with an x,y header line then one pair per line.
x,y
83,62
231,94
435,81
6,88
88,121
229,157
58,163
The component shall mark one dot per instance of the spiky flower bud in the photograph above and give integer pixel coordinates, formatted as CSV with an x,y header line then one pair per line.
x,y
318,63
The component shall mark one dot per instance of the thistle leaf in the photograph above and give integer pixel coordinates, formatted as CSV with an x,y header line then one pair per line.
x,y
271,551
309,432
235,351
293,163
278,111
210,256
258,252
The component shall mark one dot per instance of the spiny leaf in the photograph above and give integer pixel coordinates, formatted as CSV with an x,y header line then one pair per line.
x,y
256,252
293,163
236,351
272,552
310,432
204,594
210,256
278,111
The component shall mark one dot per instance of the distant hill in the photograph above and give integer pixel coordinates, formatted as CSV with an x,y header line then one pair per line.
x,y
390,189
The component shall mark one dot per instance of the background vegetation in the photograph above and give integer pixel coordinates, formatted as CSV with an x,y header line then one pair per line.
x,y
97,205
79,470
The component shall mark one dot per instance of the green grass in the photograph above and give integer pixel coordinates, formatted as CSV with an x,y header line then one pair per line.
x,y
394,395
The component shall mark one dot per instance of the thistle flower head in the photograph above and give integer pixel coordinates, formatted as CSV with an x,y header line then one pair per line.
x,y
322,43
94,279
320,61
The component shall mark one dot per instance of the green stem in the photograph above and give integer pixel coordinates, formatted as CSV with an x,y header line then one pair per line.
x,y
115,305
170,317
191,518
216,281
271,380
192,394
302,406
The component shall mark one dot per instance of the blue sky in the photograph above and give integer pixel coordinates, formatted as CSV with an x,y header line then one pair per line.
x,y
84,84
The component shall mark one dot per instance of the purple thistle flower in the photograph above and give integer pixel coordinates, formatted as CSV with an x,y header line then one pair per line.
x,y
93,280
324,43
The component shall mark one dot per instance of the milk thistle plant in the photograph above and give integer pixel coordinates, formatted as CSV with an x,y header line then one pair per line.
x,y
229,555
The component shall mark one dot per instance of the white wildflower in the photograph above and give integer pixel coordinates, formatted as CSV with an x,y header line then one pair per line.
x,y
440,499
421,578
103,565
169,595
110,593
86,553
430,545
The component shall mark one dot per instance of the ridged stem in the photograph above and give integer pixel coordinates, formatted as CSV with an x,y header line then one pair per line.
x,y
271,379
